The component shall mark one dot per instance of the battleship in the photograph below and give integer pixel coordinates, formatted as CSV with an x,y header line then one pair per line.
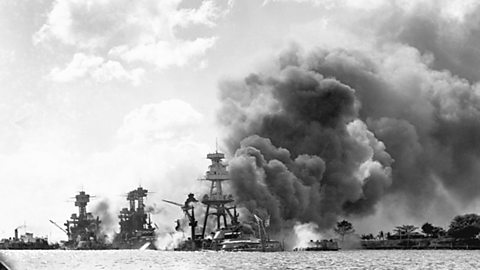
x,y
232,235
83,230
136,230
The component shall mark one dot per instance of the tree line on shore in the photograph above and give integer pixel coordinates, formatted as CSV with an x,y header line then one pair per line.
x,y
465,226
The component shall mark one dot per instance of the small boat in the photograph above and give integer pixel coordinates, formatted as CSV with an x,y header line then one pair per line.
x,y
251,245
323,245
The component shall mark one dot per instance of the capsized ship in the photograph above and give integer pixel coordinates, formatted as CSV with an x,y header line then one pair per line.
x,y
232,235
136,230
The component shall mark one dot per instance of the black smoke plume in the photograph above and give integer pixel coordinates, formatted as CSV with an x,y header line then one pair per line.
x,y
332,132
300,151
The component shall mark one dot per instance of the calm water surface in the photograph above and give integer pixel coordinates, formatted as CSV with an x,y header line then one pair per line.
x,y
133,259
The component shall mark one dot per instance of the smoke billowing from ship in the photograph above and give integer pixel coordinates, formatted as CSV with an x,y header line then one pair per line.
x,y
335,132
108,219
154,209
301,151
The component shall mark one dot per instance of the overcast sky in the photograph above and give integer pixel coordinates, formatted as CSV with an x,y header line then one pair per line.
x,y
106,95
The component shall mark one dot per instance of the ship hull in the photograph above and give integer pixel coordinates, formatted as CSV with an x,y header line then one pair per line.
x,y
251,246
86,245
140,243
21,245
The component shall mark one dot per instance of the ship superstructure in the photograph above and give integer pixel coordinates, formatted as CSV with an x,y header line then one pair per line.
x,y
26,241
219,205
136,230
83,230
221,217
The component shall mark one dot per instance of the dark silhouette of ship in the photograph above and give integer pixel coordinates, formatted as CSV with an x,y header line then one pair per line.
x,y
83,230
26,241
136,230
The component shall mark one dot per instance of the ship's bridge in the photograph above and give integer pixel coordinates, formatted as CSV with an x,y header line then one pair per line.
x,y
216,156
217,171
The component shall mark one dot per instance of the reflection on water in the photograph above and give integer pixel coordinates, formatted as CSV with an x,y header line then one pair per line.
x,y
149,259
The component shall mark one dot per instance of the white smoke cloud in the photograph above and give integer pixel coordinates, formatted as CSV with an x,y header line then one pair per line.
x,y
169,241
304,233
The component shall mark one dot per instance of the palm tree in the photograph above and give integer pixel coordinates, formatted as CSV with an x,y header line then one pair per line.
x,y
344,227
381,236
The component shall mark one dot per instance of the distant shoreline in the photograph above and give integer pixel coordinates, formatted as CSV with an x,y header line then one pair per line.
x,y
422,243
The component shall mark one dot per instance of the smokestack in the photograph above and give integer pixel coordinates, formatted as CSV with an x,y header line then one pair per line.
x,y
16,234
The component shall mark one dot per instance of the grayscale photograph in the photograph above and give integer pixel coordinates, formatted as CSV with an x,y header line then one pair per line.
x,y
239,134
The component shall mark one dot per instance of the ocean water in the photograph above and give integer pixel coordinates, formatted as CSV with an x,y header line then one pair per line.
x,y
134,259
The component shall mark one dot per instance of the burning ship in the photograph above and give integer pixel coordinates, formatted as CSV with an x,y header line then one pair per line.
x,y
83,230
232,235
225,232
136,230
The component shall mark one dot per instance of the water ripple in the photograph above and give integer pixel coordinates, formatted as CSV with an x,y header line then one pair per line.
x,y
134,259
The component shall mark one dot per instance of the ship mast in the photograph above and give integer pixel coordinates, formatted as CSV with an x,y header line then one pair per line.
x,y
216,201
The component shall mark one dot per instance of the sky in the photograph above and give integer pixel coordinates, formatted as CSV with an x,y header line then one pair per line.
x,y
107,95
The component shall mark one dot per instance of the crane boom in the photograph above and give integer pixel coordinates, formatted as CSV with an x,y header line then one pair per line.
x,y
174,203
53,222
